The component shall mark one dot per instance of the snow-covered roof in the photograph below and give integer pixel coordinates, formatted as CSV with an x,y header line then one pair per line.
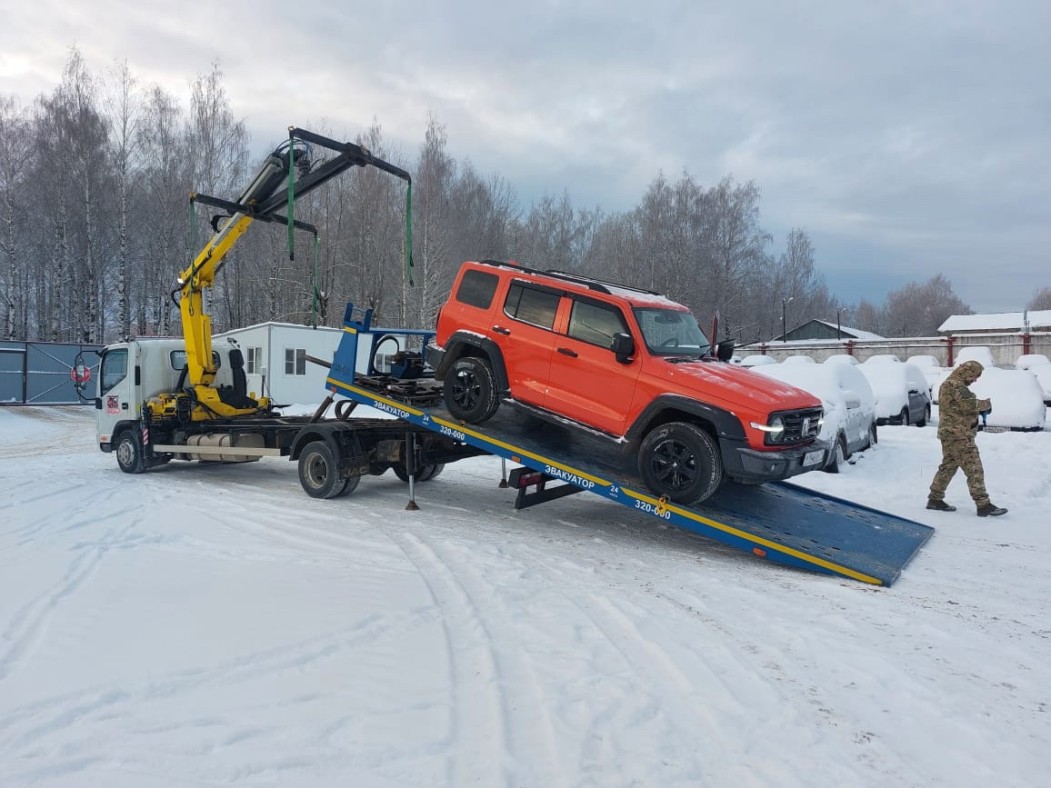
x,y
857,333
275,323
1000,321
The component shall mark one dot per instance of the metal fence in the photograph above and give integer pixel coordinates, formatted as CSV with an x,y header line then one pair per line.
x,y
1005,348
43,373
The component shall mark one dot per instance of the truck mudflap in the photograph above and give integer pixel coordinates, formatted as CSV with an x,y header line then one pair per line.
x,y
777,521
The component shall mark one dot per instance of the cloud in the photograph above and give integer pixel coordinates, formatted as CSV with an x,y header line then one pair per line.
x,y
909,135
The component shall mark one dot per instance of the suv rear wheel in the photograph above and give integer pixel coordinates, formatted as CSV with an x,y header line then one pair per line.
x,y
470,390
680,460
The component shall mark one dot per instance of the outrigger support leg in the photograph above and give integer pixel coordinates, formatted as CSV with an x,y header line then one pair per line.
x,y
410,469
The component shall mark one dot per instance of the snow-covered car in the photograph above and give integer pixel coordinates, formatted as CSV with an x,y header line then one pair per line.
x,y
902,393
883,358
979,353
757,360
1039,365
841,358
850,407
1029,360
1016,397
932,370
798,359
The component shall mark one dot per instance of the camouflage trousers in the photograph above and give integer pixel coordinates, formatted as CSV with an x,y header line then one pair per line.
x,y
960,452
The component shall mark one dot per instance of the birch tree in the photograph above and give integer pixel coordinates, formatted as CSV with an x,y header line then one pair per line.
x,y
218,162
124,110
15,153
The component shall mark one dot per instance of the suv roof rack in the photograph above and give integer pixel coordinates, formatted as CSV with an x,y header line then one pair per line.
x,y
598,285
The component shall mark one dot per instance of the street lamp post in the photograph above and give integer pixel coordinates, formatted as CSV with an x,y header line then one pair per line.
x,y
784,328
839,331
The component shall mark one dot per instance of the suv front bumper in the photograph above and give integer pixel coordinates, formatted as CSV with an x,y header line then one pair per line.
x,y
748,465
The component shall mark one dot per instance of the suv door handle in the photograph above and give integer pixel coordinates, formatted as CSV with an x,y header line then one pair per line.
x,y
502,330
565,351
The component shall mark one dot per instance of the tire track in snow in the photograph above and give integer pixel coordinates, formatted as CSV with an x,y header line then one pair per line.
x,y
664,694
26,629
479,714
107,704
530,733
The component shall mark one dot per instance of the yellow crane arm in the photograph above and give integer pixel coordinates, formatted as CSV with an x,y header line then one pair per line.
x,y
261,201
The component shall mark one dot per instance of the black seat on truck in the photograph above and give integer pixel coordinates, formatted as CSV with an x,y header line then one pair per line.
x,y
236,396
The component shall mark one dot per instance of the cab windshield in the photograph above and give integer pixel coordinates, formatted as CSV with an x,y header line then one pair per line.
x,y
670,332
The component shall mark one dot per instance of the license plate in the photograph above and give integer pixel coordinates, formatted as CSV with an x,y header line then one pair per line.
x,y
813,458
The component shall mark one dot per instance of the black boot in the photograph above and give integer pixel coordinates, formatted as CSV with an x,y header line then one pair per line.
x,y
990,510
940,506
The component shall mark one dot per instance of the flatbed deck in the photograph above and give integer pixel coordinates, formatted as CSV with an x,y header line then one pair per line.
x,y
780,522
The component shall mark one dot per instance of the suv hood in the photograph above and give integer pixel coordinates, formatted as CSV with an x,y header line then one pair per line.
x,y
735,386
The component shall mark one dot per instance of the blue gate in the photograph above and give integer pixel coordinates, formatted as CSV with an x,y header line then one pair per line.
x,y
44,373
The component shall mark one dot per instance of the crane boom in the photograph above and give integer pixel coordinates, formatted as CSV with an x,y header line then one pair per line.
x,y
260,201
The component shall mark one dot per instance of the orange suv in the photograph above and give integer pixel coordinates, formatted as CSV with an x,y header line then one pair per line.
x,y
630,364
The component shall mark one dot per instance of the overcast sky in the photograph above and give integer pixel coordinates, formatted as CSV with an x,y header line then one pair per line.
x,y
907,138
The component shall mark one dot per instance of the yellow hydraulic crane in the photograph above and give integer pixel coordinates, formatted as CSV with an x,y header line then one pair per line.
x,y
291,165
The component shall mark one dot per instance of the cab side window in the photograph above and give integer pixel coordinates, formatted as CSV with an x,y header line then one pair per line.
x,y
531,305
178,359
595,323
114,368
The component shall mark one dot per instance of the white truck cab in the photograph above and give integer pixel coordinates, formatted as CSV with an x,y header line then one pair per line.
x,y
132,372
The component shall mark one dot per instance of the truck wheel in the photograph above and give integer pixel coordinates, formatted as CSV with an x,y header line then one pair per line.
x,y
129,452
680,460
424,472
319,472
470,390
350,486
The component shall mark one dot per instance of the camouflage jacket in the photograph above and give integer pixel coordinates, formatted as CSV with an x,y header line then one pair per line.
x,y
958,408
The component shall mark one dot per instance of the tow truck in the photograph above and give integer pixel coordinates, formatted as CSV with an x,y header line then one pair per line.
x,y
160,400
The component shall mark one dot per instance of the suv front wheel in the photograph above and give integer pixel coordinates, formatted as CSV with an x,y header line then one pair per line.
x,y
681,461
470,390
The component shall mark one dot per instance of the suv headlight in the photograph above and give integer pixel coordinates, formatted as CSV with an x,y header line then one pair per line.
x,y
775,430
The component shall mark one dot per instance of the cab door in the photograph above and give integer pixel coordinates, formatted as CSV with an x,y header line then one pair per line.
x,y
116,396
587,383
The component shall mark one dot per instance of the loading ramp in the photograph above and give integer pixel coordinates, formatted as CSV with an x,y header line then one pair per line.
x,y
780,522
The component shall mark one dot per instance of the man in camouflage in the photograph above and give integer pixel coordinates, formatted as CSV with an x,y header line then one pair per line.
x,y
958,411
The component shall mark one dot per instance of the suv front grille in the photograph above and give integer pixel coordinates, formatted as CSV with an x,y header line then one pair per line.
x,y
801,425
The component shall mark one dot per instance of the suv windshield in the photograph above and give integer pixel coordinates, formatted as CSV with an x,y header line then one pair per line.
x,y
670,332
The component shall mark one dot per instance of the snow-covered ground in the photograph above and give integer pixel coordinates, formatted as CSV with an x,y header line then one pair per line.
x,y
208,625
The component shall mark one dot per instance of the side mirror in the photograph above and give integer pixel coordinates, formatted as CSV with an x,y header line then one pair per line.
x,y
724,351
623,347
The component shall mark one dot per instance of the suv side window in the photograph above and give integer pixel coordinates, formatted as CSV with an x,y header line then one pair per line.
x,y
595,323
477,289
531,305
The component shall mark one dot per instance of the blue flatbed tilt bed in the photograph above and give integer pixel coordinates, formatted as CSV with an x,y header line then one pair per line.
x,y
781,522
